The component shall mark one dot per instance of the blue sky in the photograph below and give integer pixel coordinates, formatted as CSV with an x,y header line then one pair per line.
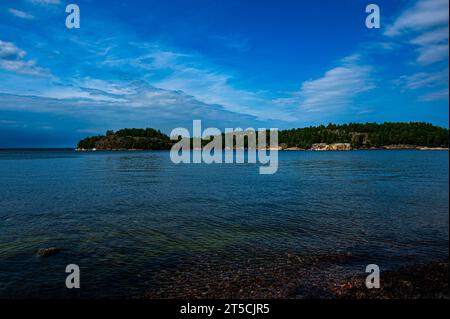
x,y
243,63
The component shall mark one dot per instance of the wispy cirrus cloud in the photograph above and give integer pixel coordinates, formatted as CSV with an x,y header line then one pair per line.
x,y
9,50
20,14
423,80
23,67
110,74
192,74
423,15
436,83
335,90
435,96
7,122
424,25
142,103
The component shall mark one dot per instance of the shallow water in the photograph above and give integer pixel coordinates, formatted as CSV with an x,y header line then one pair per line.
x,y
135,221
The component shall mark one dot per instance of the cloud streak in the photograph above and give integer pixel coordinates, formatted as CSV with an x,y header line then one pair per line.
x,y
335,90
425,25
20,14
12,60
142,103
435,96
193,75
423,80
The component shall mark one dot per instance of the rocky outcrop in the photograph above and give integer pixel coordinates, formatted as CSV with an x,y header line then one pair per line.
x,y
361,139
331,147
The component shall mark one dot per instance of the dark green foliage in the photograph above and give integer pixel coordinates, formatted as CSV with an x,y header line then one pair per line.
x,y
359,135
367,135
140,132
89,142
144,139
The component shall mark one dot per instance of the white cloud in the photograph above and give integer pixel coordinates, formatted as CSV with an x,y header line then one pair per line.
x,y
335,90
7,122
337,87
9,50
427,80
213,86
146,106
111,88
191,74
423,80
12,60
425,14
76,93
22,67
432,54
20,14
439,35
425,25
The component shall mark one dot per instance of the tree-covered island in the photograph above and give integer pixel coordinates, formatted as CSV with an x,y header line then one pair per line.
x,y
330,137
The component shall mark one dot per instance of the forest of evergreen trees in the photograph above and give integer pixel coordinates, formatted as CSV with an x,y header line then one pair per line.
x,y
358,135
367,135
128,138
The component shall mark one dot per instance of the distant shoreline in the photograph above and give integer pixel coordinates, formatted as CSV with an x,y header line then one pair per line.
x,y
344,137
418,148
387,147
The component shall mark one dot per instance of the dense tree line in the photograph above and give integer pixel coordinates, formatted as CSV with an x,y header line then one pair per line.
x,y
367,135
128,138
357,134
89,142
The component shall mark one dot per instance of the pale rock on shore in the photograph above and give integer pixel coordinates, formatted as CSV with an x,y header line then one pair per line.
x,y
295,148
331,147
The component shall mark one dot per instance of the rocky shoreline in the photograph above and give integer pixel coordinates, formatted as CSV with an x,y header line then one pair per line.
x,y
348,147
344,137
314,147
294,276
429,281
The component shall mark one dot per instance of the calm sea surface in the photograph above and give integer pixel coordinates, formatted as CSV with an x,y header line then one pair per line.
x,y
135,221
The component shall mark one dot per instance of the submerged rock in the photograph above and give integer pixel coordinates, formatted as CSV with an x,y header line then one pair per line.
x,y
46,252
